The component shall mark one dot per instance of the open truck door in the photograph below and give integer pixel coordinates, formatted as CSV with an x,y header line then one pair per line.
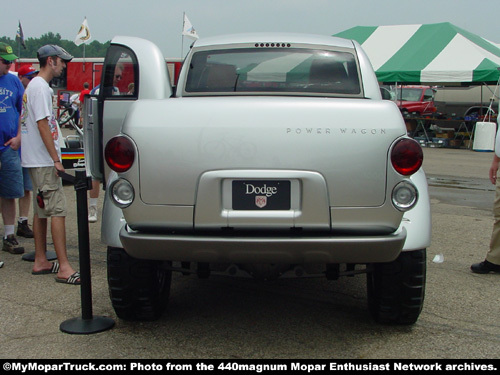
x,y
133,69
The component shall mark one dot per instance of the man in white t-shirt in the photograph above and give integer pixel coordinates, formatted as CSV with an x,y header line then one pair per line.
x,y
41,154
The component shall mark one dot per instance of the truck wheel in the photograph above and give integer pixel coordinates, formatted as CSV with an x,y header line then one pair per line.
x,y
396,289
138,288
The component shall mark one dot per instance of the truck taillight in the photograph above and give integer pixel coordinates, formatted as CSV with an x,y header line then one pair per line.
x,y
407,156
119,154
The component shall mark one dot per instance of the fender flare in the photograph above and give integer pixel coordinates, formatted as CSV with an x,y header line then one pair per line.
x,y
112,218
417,221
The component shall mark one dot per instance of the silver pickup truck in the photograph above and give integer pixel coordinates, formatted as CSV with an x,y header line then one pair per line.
x,y
274,156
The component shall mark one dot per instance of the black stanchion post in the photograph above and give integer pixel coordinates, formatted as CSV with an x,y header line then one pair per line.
x,y
87,323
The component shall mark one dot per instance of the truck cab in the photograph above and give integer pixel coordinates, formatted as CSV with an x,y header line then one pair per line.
x,y
416,100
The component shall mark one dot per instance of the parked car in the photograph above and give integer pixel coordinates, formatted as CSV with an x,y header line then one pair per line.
x,y
416,100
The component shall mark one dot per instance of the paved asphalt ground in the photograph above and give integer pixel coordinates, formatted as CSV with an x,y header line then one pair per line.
x,y
313,318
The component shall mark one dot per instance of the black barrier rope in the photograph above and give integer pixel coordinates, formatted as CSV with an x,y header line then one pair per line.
x,y
87,323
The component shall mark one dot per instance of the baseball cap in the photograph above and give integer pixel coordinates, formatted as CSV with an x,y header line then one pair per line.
x,y
6,52
26,70
53,50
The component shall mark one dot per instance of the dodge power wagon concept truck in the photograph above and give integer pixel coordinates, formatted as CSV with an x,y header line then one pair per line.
x,y
273,156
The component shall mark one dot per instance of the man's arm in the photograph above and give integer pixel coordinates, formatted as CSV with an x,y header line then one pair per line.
x,y
46,135
15,142
494,169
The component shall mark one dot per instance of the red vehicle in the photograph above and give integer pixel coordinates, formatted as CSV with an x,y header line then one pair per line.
x,y
89,70
416,100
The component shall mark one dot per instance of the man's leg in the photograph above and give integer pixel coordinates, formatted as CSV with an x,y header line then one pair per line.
x,y
492,261
23,229
10,243
24,204
58,227
8,211
11,187
39,225
493,255
40,236
94,196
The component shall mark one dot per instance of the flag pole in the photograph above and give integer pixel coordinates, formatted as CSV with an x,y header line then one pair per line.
x,y
182,39
19,42
18,54
84,48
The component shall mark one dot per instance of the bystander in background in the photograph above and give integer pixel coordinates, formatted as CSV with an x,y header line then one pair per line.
x,y
25,73
41,153
492,261
81,97
94,192
11,178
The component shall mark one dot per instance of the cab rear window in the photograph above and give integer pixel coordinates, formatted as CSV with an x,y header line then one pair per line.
x,y
267,71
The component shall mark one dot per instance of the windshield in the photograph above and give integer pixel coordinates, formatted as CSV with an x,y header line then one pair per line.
x,y
288,70
409,95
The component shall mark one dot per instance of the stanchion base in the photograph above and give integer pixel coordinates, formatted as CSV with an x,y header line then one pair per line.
x,y
79,326
30,257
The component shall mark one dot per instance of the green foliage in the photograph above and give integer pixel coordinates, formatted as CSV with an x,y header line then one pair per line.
x,y
94,49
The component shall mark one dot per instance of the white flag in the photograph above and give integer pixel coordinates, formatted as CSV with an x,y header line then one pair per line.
x,y
188,29
84,33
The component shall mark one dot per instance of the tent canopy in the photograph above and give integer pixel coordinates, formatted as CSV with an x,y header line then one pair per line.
x,y
433,53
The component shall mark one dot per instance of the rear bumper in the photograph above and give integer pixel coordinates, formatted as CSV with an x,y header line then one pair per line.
x,y
263,248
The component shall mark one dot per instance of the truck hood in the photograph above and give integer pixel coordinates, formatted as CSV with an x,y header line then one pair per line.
x,y
345,140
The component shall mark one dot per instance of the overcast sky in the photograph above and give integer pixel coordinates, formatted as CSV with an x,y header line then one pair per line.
x,y
161,20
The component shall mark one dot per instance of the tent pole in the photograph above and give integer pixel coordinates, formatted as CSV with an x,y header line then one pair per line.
x,y
400,94
481,107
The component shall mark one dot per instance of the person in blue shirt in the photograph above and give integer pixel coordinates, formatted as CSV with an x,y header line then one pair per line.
x,y
11,177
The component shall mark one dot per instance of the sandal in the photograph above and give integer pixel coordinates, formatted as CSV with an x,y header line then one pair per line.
x,y
53,269
72,280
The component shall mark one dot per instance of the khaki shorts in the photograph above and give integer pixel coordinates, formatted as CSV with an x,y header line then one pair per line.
x,y
48,185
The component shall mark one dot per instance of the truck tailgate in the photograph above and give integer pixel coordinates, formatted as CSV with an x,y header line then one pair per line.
x,y
330,136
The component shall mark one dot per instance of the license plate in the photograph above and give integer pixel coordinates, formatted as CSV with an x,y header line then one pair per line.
x,y
261,195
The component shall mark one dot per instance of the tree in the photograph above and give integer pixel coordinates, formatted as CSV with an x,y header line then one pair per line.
x,y
94,49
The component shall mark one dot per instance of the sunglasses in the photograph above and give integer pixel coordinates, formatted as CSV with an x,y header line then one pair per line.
x,y
118,76
6,62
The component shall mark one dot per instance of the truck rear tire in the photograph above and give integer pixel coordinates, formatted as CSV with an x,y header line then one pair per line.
x,y
396,289
139,289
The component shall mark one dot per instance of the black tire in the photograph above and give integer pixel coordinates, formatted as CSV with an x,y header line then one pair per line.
x,y
396,289
139,289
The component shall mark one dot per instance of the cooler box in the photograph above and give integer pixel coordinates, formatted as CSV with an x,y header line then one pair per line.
x,y
484,136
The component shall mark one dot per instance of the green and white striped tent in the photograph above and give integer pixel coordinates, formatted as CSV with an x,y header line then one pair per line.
x,y
433,53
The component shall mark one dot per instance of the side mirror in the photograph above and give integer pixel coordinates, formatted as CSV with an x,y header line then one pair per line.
x,y
386,94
